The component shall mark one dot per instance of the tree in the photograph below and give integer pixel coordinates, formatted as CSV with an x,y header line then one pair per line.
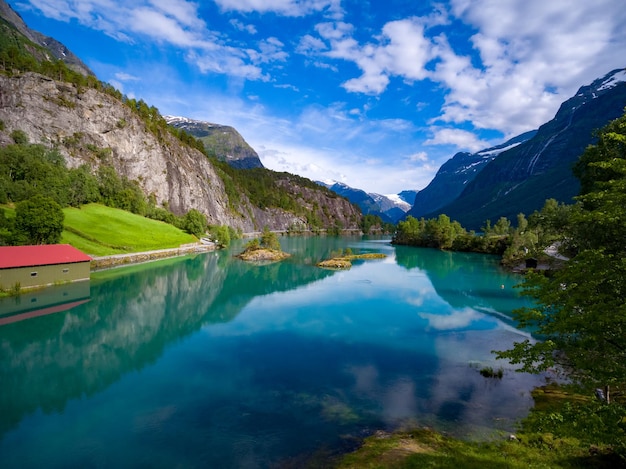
x,y
502,227
580,311
83,186
369,221
269,240
221,234
109,184
39,220
194,223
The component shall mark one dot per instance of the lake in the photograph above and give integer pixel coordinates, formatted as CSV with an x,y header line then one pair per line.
x,y
207,361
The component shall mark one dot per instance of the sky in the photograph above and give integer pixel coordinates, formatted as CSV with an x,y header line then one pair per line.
x,y
376,94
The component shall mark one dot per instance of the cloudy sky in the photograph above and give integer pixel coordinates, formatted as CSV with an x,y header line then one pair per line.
x,y
373,93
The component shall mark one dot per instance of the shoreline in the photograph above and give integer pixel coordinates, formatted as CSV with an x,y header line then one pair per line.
x,y
119,260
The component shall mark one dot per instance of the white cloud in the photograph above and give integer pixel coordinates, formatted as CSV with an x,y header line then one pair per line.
x,y
419,156
287,86
173,22
401,50
122,76
534,55
271,51
531,55
319,143
309,45
462,139
239,26
233,64
283,7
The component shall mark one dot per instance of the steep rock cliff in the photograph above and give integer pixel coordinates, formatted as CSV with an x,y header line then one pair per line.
x,y
92,127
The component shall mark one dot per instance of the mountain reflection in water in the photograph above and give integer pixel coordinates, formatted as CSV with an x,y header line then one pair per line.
x,y
209,361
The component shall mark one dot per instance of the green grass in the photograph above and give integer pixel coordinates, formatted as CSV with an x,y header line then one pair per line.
x,y
425,448
548,438
99,231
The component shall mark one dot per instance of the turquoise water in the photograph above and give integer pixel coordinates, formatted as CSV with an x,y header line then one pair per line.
x,y
207,361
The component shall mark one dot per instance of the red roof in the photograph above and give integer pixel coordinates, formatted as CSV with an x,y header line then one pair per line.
x,y
43,254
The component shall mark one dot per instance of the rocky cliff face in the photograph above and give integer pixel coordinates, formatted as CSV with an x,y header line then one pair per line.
x,y
94,128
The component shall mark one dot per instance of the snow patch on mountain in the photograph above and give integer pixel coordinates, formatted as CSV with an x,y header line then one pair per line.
x,y
618,77
491,152
399,202
178,120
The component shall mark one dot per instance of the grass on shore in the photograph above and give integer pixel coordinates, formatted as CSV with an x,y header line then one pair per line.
x,y
424,448
100,231
537,446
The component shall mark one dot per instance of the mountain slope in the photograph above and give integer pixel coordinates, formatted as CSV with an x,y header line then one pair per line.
x,y
390,208
221,141
90,123
456,173
520,179
47,48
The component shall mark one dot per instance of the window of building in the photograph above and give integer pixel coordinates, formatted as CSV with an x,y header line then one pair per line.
x,y
66,271
33,274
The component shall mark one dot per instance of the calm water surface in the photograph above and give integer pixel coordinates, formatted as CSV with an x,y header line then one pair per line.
x,y
207,361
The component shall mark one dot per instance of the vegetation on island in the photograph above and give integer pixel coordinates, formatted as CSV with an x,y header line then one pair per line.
x,y
264,249
342,260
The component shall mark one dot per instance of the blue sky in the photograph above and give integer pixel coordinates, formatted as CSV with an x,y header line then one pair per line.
x,y
373,93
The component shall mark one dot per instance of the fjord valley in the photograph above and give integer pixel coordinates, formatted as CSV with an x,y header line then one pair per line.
x,y
424,349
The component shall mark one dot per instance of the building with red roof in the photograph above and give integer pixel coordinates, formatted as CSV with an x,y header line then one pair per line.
x,y
41,265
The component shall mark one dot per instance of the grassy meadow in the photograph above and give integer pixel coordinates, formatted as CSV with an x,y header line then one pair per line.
x,y
100,231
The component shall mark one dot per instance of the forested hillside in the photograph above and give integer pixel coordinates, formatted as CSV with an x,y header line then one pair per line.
x,y
56,115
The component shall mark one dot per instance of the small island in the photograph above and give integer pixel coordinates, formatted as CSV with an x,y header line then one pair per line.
x,y
267,249
343,260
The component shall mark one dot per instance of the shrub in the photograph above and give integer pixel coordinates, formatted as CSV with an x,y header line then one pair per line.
x,y
19,137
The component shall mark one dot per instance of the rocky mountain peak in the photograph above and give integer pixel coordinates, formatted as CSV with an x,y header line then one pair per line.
x,y
221,141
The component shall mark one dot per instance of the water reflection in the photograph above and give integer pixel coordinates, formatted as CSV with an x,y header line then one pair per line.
x,y
209,361
130,320
461,279
42,302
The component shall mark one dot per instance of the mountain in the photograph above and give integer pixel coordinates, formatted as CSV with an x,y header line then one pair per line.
x,y
520,179
221,141
14,32
408,196
93,125
456,173
390,208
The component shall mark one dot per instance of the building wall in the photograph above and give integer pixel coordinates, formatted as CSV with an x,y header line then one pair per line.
x,y
43,275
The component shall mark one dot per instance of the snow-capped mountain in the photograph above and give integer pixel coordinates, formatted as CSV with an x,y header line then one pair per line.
x,y
456,173
521,178
221,141
390,208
